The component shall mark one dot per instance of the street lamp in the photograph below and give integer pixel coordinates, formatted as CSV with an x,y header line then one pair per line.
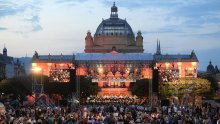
x,y
37,87
36,70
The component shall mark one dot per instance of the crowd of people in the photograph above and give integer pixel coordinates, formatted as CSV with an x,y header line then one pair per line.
x,y
59,75
106,99
112,113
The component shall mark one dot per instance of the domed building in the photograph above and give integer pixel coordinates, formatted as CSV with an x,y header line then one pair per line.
x,y
114,34
210,68
113,59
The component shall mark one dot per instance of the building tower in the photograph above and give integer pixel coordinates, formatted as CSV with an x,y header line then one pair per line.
x,y
114,11
4,51
139,39
89,40
158,52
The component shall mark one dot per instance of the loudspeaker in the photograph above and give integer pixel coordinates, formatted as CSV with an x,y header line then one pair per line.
x,y
155,81
63,102
165,102
72,79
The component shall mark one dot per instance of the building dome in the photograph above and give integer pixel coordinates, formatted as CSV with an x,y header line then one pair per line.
x,y
114,30
210,68
114,33
114,27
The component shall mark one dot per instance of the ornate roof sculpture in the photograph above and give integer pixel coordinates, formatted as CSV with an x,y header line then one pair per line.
x,y
114,33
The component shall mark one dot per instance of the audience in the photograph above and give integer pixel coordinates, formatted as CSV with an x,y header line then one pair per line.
x,y
112,110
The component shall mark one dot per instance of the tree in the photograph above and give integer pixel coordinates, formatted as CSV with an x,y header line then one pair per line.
x,y
197,86
19,86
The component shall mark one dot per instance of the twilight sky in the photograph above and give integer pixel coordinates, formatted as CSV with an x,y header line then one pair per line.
x,y
60,26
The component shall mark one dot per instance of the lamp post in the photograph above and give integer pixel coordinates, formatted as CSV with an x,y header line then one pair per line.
x,y
37,87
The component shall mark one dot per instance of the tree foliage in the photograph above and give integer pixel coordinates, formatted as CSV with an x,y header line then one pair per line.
x,y
197,86
23,86
19,86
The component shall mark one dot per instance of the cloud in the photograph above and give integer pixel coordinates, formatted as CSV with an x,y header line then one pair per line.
x,y
198,9
3,28
166,29
177,23
208,35
135,4
35,24
8,8
197,14
192,18
22,14
70,2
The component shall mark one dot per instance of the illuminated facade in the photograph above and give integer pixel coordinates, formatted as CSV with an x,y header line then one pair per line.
x,y
113,58
185,64
55,67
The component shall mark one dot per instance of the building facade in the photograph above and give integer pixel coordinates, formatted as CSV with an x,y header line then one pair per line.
x,y
114,57
9,67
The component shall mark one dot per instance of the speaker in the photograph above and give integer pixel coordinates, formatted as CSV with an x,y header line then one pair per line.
x,y
165,102
63,102
155,81
72,79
